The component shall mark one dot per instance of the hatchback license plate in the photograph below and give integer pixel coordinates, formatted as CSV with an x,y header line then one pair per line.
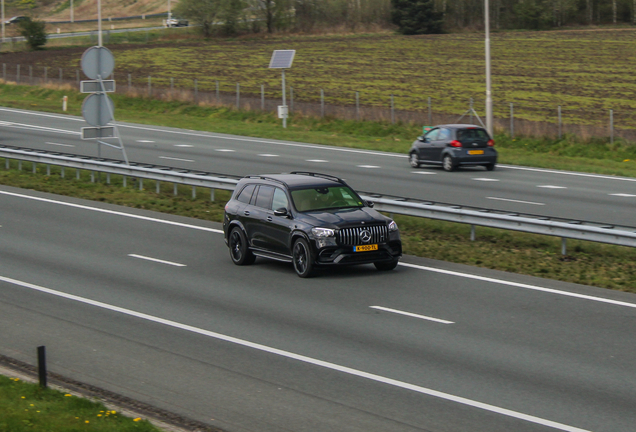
x,y
365,248
475,152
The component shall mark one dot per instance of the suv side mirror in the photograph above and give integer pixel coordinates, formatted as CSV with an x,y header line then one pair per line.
x,y
369,203
283,212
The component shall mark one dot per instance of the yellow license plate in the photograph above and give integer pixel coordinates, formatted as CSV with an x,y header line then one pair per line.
x,y
475,152
365,248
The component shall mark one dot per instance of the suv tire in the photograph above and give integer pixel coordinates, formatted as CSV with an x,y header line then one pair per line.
x,y
448,163
414,160
239,252
386,266
303,259
490,167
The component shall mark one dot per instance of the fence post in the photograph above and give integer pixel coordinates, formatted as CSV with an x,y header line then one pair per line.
x,y
262,97
42,365
196,92
430,113
217,92
611,126
4,71
31,75
129,82
358,106
17,75
45,74
322,103
171,84
471,110
238,96
291,99
392,110
564,249
149,85
512,121
77,76
61,73
559,115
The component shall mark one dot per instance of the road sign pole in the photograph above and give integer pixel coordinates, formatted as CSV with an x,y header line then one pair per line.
x,y
99,23
284,101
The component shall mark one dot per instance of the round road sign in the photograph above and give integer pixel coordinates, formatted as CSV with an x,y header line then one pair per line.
x,y
98,62
98,109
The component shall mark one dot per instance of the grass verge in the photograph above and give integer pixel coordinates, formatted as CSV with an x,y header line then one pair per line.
x,y
587,263
28,407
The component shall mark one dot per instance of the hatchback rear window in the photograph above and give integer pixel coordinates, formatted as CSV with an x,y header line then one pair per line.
x,y
472,134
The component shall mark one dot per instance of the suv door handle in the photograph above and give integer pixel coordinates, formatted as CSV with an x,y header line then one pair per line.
x,y
269,219
246,213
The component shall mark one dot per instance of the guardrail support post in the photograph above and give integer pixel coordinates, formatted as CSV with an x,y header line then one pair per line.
x,y
42,365
107,178
62,172
19,165
92,176
35,167
141,183
77,174
6,163
158,186
211,194
472,233
564,249
48,170
124,178
194,192
175,189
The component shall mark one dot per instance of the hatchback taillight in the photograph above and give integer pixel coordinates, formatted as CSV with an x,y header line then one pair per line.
x,y
455,143
491,143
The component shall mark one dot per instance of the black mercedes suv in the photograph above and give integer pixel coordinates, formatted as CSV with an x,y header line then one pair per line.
x,y
309,219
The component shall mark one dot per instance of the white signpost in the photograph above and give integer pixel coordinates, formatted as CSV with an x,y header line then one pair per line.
x,y
282,59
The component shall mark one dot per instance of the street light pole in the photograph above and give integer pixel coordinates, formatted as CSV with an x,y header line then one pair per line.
x,y
99,22
488,85
2,20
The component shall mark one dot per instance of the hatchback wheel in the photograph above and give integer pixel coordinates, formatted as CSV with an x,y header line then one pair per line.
x,y
303,259
448,163
239,252
414,160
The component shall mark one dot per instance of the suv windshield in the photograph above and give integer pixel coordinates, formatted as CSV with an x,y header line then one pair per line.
x,y
325,198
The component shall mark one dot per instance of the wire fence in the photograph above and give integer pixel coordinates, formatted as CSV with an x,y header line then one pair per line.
x,y
515,119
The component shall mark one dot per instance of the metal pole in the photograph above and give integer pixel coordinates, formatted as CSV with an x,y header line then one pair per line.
x,y
358,106
488,85
196,91
217,92
564,249
149,86
42,365
291,99
171,84
322,103
18,74
611,126
262,97
129,81
430,114
392,111
512,121
559,113
2,20
238,96
284,101
471,112
99,23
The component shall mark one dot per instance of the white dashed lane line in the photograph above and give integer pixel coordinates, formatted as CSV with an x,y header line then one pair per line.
x,y
368,166
623,195
144,141
422,172
183,145
225,150
156,260
484,179
175,159
58,144
515,201
412,315
551,187
268,155
317,160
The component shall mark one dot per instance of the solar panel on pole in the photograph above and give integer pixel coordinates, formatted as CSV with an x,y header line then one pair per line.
x,y
282,59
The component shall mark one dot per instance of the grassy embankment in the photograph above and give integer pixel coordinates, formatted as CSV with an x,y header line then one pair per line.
x,y
28,407
587,263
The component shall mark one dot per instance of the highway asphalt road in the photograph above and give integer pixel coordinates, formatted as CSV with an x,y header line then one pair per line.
x,y
150,306
570,195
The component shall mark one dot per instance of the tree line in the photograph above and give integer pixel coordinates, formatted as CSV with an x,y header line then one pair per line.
x,y
242,16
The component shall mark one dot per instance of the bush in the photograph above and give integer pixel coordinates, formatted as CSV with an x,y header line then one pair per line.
x,y
34,32
415,17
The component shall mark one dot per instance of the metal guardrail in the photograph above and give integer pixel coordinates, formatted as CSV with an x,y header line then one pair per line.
x,y
536,224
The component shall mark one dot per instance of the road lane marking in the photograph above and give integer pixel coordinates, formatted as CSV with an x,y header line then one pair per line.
x,y
301,358
225,150
412,315
368,166
516,201
485,179
520,285
113,212
175,159
58,144
572,173
144,141
156,260
623,195
415,266
551,187
268,155
42,128
183,145
422,172
317,160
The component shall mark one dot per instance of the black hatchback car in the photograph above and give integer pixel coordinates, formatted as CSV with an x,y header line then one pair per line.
x,y
454,145
310,220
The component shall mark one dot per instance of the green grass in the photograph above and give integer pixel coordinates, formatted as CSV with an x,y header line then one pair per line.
x,y
585,71
28,407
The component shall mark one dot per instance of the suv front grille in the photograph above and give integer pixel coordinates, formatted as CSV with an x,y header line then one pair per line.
x,y
352,236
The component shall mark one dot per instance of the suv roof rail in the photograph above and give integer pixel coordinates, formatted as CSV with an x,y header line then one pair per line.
x,y
264,177
325,176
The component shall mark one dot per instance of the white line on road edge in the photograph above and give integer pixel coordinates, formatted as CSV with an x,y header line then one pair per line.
x,y
130,215
58,144
412,315
302,358
572,173
449,272
513,200
156,260
520,285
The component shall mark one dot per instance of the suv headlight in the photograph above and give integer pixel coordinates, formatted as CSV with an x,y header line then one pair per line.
x,y
393,226
323,232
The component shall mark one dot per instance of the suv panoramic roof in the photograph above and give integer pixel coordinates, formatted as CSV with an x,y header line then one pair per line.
x,y
300,178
